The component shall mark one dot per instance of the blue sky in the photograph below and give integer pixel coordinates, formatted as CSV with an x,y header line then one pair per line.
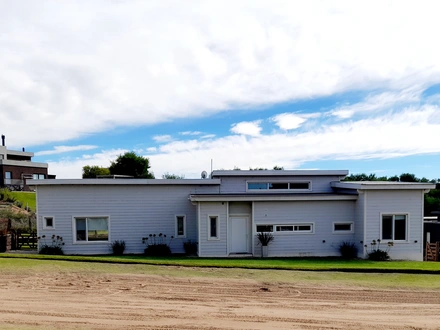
x,y
303,86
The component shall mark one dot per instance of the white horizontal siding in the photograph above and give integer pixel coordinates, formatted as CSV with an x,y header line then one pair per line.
x,y
321,213
359,224
240,208
390,202
134,211
212,247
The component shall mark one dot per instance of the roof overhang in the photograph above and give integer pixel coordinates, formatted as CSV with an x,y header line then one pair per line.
x,y
114,182
247,173
382,185
22,163
270,197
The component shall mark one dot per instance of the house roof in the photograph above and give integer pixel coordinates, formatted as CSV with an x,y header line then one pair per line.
x,y
382,185
220,173
246,197
97,182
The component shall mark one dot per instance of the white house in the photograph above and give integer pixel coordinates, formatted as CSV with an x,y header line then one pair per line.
x,y
309,212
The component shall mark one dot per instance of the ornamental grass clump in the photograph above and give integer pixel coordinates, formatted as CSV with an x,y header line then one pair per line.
x,y
157,245
348,250
55,247
376,253
118,247
265,238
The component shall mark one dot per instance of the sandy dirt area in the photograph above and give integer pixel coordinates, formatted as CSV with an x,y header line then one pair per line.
x,y
108,301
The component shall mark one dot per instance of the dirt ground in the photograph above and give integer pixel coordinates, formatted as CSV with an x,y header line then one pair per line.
x,y
114,301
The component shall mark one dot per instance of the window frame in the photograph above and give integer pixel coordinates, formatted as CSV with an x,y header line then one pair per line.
x,y
351,231
263,225
294,230
393,215
74,231
45,226
217,225
288,182
177,225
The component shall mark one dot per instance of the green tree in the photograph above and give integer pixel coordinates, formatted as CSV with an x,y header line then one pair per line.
x,y
278,168
172,176
131,164
93,171
408,177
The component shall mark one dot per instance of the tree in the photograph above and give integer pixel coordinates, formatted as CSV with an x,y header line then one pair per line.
x,y
278,168
131,164
408,177
94,171
172,176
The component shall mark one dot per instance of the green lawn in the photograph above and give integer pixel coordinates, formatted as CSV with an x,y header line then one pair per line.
x,y
325,278
309,264
26,198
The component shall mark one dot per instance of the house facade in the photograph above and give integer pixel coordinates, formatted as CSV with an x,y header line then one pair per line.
x,y
309,213
16,167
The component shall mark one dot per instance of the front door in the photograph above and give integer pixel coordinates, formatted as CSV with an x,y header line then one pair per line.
x,y
239,234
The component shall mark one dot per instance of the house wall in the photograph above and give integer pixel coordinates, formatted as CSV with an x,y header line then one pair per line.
x,y
359,218
321,213
135,211
320,184
213,247
391,202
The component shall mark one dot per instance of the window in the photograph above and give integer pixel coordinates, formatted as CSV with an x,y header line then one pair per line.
x,y
342,227
48,223
180,226
394,227
264,228
278,185
8,177
303,228
213,227
91,229
284,228
38,176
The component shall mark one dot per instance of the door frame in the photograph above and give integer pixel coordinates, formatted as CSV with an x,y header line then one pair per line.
x,y
248,232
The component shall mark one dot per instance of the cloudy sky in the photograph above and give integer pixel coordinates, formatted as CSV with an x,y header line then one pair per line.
x,y
304,85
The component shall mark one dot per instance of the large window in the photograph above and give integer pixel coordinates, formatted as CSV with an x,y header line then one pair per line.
x,y
286,186
181,226
38,176
394,227
8,177
213,227
91,229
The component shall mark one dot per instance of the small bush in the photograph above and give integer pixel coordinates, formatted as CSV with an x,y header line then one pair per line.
x,y
190,248
265,238
118,247
55,248
376,253
157,245
348,250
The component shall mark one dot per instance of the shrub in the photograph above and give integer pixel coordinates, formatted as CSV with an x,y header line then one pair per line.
x,y
190,248
55,248
348,250
265,238
118,247
157,245
376,253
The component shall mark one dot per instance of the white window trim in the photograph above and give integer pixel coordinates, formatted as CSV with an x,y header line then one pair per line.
x,y
45,223
216,238
184,225
343,232
406,228
75,241
278,190
294,232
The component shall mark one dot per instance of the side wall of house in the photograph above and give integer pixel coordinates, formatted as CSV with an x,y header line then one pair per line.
x,y
321,214
359,224
408,202
134,211
320,184
209,247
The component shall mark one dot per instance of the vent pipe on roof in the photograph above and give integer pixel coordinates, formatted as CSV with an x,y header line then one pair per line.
x,y
3,140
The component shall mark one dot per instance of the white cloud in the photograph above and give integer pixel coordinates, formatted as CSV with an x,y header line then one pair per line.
x,y
141,63
247,128
289,121
190,133
64,149
162,138
207,136
152,149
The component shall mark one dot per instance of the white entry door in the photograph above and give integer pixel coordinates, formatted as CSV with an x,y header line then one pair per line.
x,y
239,234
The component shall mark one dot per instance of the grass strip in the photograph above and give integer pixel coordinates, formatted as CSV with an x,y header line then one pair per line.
x,y
305,264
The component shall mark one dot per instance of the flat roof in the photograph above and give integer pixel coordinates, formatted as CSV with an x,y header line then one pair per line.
x,y
218,173
245,197
118,181
382,185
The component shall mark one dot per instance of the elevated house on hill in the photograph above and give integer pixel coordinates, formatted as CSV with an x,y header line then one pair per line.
x,y
16,167
309,213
